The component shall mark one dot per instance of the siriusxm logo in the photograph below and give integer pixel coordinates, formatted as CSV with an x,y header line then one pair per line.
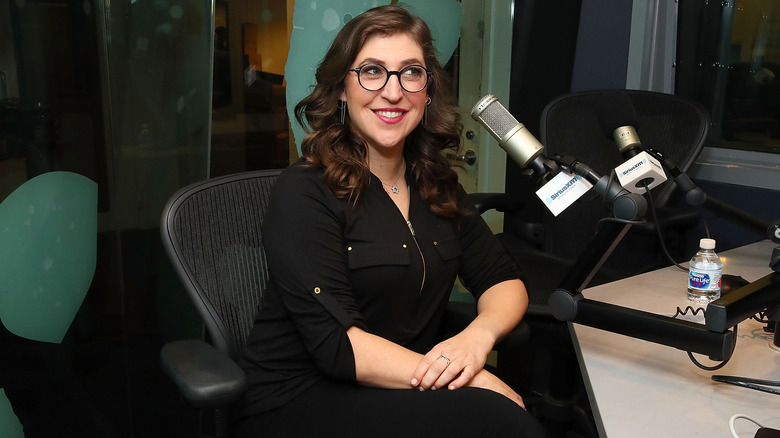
x,y
563,189
634,167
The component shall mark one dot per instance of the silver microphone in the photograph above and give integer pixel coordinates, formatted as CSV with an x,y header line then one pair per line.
x,y
619,119
512,136
526,151
642,170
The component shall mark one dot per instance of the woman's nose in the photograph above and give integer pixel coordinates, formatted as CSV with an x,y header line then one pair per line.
x,y
393,90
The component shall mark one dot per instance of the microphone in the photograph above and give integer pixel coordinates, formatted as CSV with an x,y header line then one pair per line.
x,y
559,190
618,118
564,189
512,136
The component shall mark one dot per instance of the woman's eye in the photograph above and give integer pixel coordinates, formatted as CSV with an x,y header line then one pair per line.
x,y
372,70
413,72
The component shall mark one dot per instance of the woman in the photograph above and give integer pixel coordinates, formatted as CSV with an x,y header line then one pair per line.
x,y
364,238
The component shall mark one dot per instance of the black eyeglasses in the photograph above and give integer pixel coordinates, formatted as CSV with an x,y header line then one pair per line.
x,y
374,77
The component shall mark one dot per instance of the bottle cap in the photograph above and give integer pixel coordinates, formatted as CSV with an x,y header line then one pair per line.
x,y
707,244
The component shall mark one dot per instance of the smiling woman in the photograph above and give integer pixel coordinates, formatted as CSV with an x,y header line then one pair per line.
x,y
314,26
385,114
365,237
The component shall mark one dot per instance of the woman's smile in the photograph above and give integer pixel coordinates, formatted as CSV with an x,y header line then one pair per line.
x,y
390,115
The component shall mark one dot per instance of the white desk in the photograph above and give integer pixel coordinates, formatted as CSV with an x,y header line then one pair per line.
x,y
643,389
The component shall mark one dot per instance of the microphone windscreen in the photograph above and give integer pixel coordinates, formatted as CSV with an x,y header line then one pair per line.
x,y
512,136
614,110
493,116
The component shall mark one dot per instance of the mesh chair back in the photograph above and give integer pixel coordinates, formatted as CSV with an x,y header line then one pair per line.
x,y
211,233
569,126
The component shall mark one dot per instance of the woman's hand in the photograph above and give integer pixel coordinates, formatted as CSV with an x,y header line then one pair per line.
x,y
486,380
454,362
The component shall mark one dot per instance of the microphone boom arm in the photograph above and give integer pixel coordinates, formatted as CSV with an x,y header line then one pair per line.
x,y
696,196
568,304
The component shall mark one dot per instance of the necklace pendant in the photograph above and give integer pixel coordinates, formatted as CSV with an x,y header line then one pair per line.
x,y
394,188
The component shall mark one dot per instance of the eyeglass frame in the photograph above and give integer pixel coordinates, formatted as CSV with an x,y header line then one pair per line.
x,y
397,73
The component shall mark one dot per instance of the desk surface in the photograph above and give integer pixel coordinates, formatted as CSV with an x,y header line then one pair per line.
x,y
643,389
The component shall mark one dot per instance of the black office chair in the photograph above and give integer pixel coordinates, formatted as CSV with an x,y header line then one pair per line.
x,y
546,249
211,233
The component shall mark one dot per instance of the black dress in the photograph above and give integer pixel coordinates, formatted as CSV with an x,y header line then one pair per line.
x,y
333,265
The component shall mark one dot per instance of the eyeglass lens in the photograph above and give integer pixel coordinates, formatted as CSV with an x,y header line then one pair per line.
x,y
373,77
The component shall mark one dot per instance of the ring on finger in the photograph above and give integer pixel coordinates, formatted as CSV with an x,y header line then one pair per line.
x,y
446,359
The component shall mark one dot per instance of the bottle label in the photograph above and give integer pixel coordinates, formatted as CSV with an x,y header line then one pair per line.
x,y
708,280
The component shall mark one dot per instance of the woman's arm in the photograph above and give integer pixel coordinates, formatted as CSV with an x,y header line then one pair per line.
x,y
381,363
305,247
500,309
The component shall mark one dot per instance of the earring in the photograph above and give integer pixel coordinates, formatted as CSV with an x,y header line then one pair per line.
x,y
343,108
425,112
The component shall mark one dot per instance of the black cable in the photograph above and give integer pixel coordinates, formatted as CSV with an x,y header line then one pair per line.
x,y
761,317
658,230
694,312
717,366
681,311
705,367
621,221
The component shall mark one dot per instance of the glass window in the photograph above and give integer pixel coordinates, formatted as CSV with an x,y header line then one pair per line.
x,y
249,123
729,59
116,93
119,93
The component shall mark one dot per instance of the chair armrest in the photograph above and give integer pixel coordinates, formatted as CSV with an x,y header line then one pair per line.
x,y
206,377
460,314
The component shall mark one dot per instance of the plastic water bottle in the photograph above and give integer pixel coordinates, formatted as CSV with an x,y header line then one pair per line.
x,y
704,274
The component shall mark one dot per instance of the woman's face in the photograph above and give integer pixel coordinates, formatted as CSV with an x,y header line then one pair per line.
x,y
384,118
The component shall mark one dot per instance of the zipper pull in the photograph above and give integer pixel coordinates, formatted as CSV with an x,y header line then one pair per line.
x,y
409,223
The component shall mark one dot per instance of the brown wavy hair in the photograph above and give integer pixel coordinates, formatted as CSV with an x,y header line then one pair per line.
x,y
332,145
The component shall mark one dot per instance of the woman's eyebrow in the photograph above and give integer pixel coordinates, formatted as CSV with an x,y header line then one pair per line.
x,y
404,62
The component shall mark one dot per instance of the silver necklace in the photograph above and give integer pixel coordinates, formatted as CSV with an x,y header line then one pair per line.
x,y
394,186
